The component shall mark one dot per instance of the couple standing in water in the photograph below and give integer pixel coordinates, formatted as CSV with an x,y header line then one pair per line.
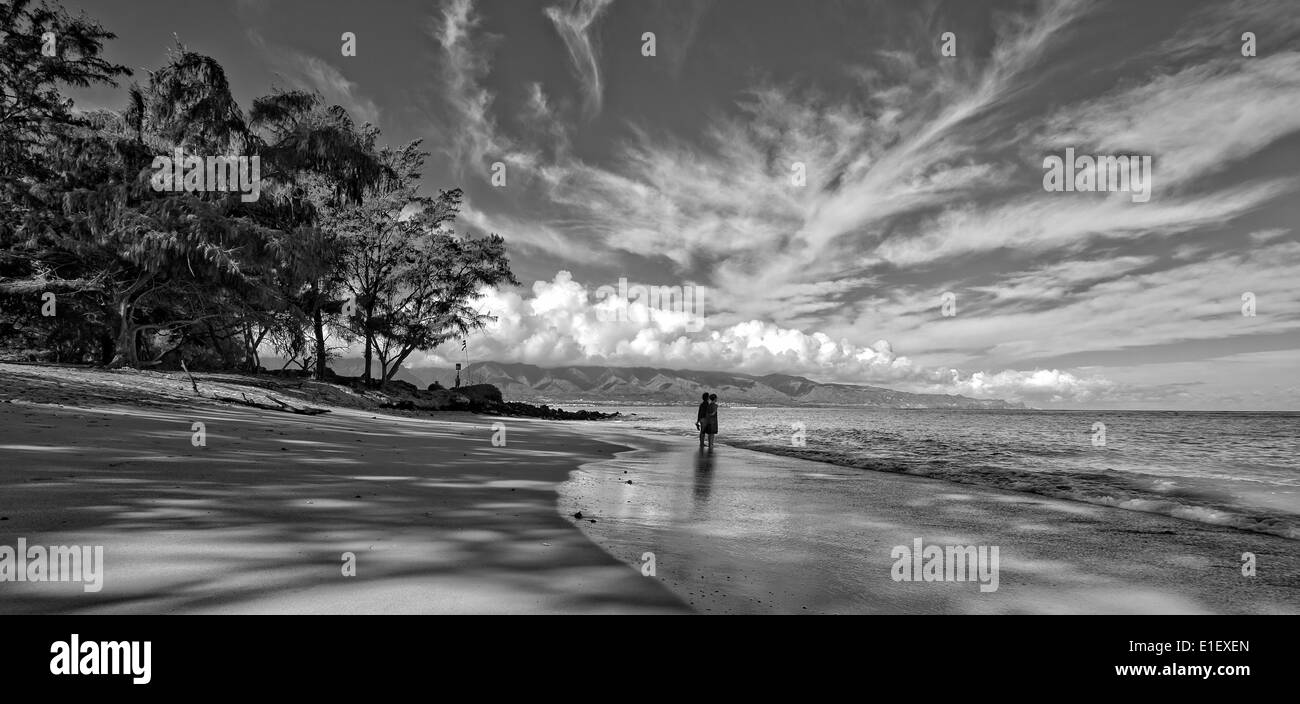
x,y
706,419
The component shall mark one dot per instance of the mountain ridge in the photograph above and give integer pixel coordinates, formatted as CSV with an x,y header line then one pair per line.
x,y
607,385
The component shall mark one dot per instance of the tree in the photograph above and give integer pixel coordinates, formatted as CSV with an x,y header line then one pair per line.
x,y
412,277
435,287
322,162
376,233
30,103
161,260
148,272
32,110
203,270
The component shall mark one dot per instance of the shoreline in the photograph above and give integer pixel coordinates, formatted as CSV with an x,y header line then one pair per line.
x,y
1140,493
755,532
1220,516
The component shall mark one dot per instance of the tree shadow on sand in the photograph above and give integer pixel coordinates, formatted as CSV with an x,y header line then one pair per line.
x,y
259,520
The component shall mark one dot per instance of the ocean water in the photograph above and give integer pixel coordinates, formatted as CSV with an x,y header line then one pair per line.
x,y
1232,469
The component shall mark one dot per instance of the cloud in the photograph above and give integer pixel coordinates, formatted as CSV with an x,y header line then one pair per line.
x,y
730,200
1041,386
469,133
683,20
315,74
533,236
1219,25
1071,307
929,168
574,26
731,196
1246,109
1068,221
563,323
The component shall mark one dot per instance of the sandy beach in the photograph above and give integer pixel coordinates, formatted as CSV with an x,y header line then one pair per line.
x,y
442,521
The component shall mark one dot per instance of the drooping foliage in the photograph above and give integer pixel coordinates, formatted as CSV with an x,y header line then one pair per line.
x,y
140,275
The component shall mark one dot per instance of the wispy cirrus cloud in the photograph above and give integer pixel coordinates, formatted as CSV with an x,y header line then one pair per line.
x,y
1245,109
1104,304
928,164
469,132
684,20
574,24
313,73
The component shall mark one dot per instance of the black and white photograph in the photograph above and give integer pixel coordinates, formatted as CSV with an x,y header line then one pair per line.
x,y
946,308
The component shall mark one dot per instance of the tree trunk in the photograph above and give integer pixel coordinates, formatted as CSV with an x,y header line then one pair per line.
x,y
369,349
124,352
318,326
255,357
222,349
106,347
397,364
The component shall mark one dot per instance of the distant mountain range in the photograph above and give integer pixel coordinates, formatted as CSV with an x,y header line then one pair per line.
x,y
651,386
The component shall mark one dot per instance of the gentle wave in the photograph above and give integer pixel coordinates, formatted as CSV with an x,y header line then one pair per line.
x,y
1169,471
1102,489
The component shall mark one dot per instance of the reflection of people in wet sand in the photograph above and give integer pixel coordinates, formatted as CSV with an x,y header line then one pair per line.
x,y
703,476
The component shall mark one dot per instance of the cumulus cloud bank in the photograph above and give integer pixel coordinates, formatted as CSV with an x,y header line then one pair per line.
x,y
563,322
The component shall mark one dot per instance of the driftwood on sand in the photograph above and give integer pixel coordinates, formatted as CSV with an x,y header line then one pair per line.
x,y
281,405
245,401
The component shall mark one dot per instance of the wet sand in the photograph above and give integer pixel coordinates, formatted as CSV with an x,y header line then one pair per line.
x,y
739,531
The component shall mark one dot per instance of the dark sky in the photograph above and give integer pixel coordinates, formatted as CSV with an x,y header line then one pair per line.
x,y
924,175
